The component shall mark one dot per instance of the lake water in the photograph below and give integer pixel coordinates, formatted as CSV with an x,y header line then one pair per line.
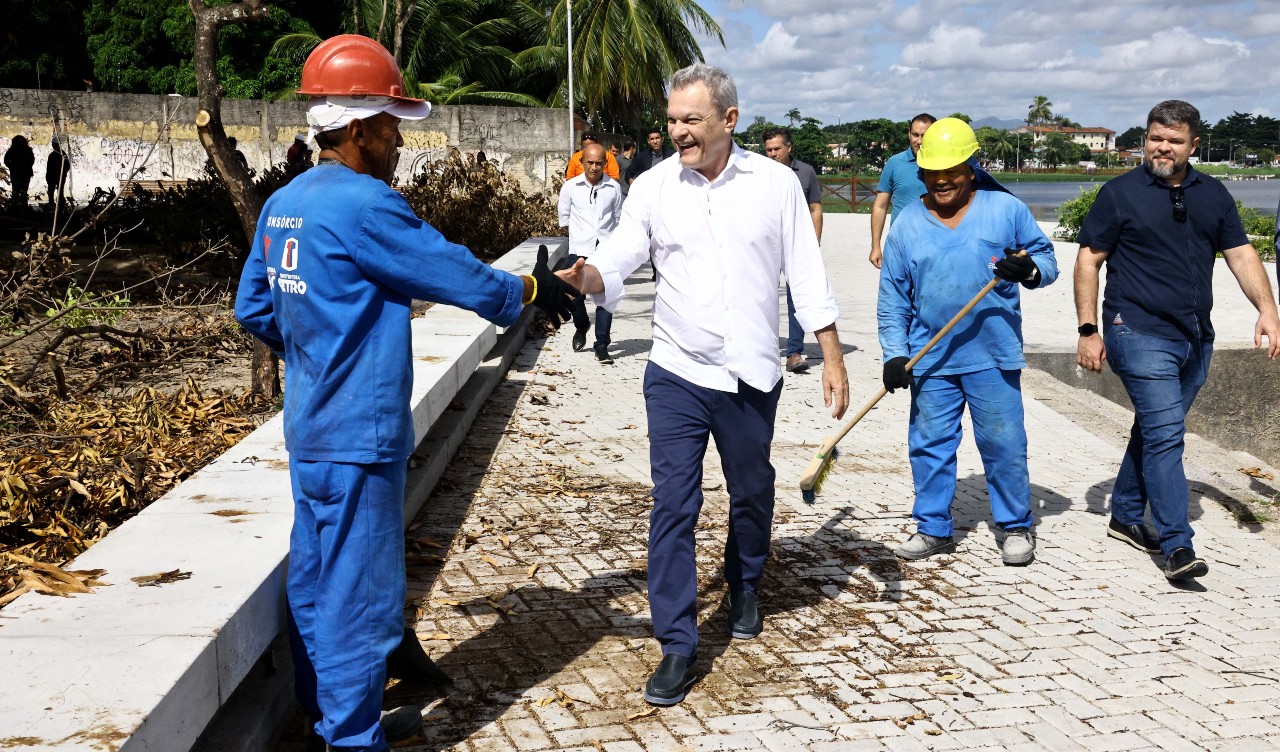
x,y
1044,198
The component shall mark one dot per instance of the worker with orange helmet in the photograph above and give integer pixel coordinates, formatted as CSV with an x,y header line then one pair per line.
x,y
944,248
336,261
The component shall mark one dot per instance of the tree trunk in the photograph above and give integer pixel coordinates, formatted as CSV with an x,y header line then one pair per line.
x,y
245,198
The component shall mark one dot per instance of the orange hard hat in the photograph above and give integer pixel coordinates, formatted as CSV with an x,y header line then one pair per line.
x,y
350,65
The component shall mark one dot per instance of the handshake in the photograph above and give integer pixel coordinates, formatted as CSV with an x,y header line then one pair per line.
x,y
551,294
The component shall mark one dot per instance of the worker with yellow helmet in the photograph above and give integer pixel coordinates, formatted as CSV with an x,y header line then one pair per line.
x,y
944,248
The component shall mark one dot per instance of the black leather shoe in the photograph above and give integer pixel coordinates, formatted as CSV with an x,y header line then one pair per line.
x,y
579,340
1183,564
1137,536
409,662
402,723
670,681
603,356
744,615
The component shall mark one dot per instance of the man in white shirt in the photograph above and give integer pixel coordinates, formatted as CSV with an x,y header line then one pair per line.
x,y
722,224
590,205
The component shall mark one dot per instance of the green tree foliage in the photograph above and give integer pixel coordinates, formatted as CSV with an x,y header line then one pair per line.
x,y
147,47
1072,212
961,116
1057,149
1132,138
871,142
42,45
809,144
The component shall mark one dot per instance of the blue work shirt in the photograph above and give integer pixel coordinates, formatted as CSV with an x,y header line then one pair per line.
x,y
901,179
1159,270
336,261
930,272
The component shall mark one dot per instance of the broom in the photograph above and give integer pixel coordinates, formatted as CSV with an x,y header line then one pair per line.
x,y
820,465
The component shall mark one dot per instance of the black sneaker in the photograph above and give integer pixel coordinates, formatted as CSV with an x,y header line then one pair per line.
x,y
397,725
1137,536
744,615
603,356
1183,564
579,340
670,681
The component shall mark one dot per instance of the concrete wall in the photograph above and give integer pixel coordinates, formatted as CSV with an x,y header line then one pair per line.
x,y
111,134
1237,408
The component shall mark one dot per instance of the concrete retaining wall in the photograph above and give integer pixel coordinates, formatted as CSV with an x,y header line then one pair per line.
x,y
1238,407
111,134
128,667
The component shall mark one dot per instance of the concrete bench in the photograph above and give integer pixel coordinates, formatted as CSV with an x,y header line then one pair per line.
x,y
150,186
131,667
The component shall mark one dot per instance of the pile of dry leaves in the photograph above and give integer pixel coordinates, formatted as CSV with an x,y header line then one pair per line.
x,y
95,429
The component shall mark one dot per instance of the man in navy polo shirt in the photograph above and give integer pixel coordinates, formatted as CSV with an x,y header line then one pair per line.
x,y
1159,227
899,183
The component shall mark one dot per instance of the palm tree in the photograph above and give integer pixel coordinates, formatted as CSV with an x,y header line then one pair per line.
x,y
793,115
1057,149
450,50
623,51
1001,147
1039,112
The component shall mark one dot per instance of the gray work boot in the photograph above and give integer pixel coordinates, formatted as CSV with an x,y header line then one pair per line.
x,y
1019,547
922,546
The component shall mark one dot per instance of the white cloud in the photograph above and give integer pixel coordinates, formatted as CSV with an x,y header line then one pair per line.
x,y
1102,62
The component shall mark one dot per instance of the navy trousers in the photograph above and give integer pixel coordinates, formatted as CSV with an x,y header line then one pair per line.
x,y
346,591
682,416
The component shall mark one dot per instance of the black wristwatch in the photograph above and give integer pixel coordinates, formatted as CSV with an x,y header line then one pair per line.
x,y
1087,330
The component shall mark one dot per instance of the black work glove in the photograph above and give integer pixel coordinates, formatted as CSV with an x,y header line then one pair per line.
x,y
1018,269
896,375
554,296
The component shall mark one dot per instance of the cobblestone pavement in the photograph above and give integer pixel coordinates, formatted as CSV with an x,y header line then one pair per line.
x,y
527,578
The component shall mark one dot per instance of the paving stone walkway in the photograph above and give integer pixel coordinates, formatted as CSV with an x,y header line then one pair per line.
x,y
527,577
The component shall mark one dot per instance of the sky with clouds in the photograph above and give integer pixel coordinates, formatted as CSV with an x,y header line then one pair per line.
x,y
1100,62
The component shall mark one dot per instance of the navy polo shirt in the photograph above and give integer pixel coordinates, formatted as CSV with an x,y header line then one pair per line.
x,y
1160,271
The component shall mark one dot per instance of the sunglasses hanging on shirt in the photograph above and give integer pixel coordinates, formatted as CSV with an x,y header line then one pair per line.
x,y
1179,199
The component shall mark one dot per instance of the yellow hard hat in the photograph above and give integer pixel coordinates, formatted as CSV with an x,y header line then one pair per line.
x,y
947,143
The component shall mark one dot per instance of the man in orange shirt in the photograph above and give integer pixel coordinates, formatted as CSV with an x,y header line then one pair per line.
x,y
575,162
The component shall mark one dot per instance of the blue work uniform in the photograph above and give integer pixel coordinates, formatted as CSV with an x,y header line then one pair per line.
x,y
336,261
928,274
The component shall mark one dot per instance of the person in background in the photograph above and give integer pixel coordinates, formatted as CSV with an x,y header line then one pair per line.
x,y
21,161
777,146
57,168
900,183
590,206
574,169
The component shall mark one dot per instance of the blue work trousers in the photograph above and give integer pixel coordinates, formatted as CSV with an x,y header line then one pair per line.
x,y
346,591
994,397
681,418
1162,377
795,332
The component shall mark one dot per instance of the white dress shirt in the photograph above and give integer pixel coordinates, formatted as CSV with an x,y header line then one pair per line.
x,y
719,247
591,212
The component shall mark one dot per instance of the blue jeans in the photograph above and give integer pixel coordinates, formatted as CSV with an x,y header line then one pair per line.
x,y
795,332
682,417
346,590
1162,377
994,398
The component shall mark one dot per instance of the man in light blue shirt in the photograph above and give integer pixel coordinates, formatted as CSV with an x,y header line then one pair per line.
x,y
899,182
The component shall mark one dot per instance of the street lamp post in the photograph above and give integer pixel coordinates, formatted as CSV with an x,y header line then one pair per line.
x,y
569,24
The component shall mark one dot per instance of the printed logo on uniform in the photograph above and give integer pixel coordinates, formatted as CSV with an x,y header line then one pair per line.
x,y
271,277
289,261
266,247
